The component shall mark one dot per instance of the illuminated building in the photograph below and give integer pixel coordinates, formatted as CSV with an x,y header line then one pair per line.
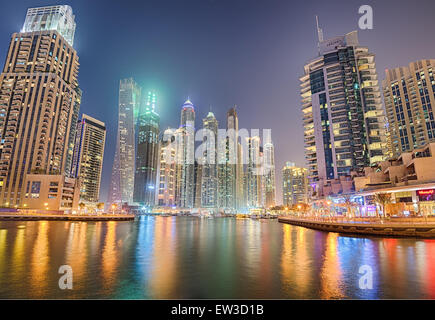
x,y
122,180
409,179
59,18
409,94
269,174
227,164
147,153
185,157
167,177
343,118
209,183
253,174
294,184
39,106
88,157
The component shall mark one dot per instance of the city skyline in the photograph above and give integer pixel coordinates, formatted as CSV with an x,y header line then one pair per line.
x,y
236,163
252,106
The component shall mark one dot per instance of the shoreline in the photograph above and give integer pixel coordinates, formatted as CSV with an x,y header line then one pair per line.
x,y
388,229
28,217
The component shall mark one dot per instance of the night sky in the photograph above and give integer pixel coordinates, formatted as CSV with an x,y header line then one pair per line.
x,y
248,53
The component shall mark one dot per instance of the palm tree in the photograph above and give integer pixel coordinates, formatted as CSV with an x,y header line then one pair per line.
x,y
82,206
348,204
382,199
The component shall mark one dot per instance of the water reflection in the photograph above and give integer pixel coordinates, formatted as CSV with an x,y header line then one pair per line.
x,y
169,257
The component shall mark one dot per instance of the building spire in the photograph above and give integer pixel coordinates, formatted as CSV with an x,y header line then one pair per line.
x,y
319,31
319,34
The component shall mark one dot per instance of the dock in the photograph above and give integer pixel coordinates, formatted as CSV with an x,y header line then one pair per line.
x,y
61,217
386,229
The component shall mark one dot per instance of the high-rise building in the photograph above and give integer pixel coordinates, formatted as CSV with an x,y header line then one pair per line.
x,y
253,185
409,94
167,174
198,183
39,106
88,157
122,181
343,118
209,183
185,157
269,174
228,148
240,191
294,184
147,153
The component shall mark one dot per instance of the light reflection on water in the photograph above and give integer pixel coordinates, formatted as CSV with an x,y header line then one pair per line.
x,y
170,257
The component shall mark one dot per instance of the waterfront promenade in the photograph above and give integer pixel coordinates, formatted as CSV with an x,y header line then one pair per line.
x,y
64,217
412,227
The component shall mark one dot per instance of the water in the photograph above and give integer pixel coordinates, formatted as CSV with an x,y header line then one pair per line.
x,y
182,257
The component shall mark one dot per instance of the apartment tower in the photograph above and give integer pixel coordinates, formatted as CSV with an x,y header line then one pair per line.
x,y
88,157
343,118
409,94
39,106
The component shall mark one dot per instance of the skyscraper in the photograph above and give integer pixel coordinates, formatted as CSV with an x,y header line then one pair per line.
x,y
343,117
198,184
269,174
409,94
122,181
185,158
167,170
39,105
209,183
147,153
253,174
294,184
88,156
228,149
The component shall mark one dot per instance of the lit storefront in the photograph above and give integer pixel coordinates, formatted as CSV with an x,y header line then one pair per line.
x,y
426,201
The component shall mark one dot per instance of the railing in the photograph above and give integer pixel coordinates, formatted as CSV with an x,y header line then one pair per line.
x,y
381,220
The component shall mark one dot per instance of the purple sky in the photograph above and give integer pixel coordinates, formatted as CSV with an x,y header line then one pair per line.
x,y
223,52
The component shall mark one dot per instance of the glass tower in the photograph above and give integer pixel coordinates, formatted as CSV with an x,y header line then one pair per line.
x,y
59,18
209,170
147,153
122,181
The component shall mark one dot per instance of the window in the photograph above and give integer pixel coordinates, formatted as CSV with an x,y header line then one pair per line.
x,y
35,189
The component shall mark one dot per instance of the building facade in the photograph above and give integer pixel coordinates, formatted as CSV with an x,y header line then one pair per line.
x,y
228,147
343,118
39,106
59,18
294,184
269,174
88,157
167,170
185,157
209,183
409,94
254,173
409,180
147,153
122,180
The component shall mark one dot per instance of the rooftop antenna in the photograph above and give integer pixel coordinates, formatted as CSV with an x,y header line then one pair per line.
x,y
319,33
